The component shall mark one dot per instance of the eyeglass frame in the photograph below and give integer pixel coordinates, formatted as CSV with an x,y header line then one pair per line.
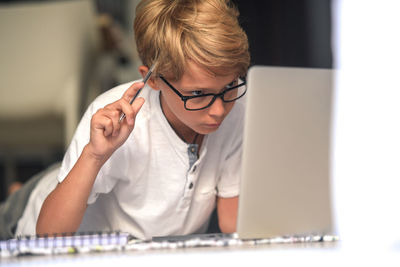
x,y
215,96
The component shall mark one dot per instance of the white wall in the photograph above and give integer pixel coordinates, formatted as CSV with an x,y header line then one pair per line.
x,y
367,124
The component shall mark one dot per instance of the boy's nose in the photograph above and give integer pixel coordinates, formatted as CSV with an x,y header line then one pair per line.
x,y
217,109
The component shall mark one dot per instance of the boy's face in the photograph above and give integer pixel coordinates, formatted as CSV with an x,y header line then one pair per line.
x,y
194,81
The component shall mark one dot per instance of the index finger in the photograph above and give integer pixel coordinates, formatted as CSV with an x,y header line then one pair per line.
x,y
132,92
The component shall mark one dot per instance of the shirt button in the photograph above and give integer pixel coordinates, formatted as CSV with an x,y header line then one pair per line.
x,y
194,168
191,185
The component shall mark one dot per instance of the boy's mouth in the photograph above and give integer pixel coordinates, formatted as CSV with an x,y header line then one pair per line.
x,y
212,125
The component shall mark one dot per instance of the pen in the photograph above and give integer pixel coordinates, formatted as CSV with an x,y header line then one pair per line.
x,y
137,93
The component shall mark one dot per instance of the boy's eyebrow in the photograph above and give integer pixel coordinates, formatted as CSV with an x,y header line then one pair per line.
x,y
200,88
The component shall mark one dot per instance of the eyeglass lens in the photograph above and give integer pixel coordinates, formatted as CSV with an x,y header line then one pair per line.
x,y
205,101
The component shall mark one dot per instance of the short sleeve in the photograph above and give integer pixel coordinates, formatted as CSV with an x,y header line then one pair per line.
x,y
103,183
79,141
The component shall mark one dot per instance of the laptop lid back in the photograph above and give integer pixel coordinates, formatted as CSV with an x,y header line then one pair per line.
x,y
285,184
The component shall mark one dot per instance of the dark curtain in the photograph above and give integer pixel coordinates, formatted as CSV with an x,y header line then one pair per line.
x,y
288,33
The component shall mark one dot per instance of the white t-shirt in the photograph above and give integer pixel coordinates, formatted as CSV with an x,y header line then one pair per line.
x,y
147,187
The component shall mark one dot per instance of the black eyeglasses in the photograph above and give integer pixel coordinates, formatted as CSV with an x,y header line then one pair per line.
x,y
203,101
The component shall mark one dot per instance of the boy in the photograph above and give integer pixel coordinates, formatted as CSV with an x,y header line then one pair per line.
x,y
161,170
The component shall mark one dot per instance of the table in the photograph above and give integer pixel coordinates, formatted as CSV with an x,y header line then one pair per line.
x,y
314,254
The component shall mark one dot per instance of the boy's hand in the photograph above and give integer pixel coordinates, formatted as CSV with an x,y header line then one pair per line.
x,y
106,132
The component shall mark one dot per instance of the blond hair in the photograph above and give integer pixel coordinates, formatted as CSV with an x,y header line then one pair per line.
x,y
207,32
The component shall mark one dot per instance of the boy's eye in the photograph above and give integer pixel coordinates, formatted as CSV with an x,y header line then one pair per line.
x,y
197,93
232,84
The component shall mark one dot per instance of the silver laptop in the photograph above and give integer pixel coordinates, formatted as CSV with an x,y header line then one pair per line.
x,y
285,184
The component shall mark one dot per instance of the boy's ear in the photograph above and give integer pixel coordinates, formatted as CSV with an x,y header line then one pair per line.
x,y
152,81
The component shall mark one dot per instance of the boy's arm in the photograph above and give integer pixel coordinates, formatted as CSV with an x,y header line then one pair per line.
x,y
227,213
63,209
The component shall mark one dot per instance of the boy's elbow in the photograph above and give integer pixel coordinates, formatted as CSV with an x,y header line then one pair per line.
x,y
227,223
42,226
227,214
40,229
227,227
43,220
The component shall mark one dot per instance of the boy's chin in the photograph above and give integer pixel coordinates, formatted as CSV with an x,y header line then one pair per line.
x,y
204,130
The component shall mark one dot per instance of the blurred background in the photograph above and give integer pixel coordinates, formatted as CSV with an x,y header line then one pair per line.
x,y
57,56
